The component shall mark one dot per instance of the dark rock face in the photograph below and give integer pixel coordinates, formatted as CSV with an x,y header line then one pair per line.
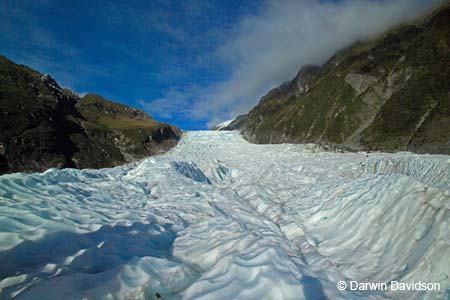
x,y
164,133
302,83
390,94
44,126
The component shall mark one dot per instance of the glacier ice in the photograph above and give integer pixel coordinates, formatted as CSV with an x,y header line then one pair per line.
x,y
220,218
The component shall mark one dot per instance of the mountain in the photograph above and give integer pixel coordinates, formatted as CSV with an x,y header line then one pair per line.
x,y
45,126
222,125
391,93
234,124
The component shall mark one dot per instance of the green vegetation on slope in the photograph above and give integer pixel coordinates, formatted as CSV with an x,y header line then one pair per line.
x,y
391,93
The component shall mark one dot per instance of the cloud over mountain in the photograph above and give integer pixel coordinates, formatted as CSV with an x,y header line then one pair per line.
x,y
269,46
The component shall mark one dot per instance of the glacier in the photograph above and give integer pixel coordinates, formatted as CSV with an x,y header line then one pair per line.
x,y
220,218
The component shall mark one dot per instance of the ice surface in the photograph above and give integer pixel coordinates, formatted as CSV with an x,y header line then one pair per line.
x,y
220,218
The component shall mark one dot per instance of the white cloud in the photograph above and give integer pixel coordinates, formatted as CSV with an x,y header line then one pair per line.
x,y
269,47
176,103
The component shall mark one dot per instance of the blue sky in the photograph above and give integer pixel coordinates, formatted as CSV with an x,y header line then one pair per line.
x,y
192,63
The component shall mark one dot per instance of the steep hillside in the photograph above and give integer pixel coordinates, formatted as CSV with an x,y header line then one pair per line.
x,y
45,126
236,124
391,93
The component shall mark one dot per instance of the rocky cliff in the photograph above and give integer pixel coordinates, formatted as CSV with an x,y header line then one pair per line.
x,y
391,93
44,126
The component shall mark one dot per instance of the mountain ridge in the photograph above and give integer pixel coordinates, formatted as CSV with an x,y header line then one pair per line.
x,y
47,126
390,94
